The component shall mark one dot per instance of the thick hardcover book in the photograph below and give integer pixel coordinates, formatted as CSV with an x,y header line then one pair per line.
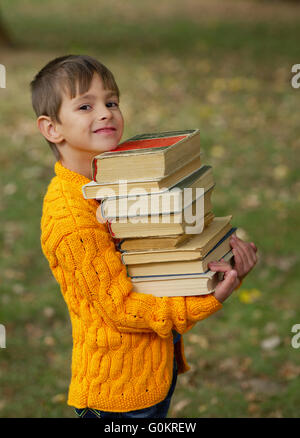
x,y
170,201
95,190
179,285
147,157
195,248
152,243
184,266
162,225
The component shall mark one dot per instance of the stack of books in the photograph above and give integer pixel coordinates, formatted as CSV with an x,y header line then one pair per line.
x,y
155,194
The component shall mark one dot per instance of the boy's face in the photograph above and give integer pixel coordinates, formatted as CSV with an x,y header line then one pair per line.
x,y
92,122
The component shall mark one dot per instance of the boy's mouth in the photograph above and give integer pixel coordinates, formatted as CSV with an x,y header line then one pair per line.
x,y
106,130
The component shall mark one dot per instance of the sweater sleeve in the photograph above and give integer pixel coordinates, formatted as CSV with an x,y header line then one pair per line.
x,y
91,274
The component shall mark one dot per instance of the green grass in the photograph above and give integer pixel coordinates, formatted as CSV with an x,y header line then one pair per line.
x,y
232,80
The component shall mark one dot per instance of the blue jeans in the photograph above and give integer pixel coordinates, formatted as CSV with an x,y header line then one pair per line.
x,y
160,410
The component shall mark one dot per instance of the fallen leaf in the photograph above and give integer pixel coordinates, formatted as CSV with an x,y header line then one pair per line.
x,y
228,364
270,343
251,201
18,288
262,386
48,312
201,341
59,398
251,396
202,408
49,340
180,405
280,172
214,401
270,328
276,414
218,151
9,189
253,408
289,371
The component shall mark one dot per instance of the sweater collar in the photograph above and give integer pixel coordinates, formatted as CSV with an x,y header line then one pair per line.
x,y
70,176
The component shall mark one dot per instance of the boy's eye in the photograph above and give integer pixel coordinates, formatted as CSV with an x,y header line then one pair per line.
x,y
112,104
83,107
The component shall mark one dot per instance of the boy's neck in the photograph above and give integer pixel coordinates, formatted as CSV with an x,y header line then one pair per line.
x,y
80,164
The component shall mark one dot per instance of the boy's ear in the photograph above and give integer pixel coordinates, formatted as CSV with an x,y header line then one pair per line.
x,y
48,129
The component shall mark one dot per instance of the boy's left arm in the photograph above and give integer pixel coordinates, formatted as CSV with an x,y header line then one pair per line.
x,y
245,257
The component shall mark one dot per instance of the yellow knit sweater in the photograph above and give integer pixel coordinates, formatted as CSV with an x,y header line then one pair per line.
x,y
123,349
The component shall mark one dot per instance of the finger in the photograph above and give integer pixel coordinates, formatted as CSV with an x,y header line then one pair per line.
x,y
247,249
224,267
238,261
253,246
225,288
221,262
246,256
250,253
233,240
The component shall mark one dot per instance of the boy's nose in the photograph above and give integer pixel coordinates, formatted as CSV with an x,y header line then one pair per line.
x,y
104,113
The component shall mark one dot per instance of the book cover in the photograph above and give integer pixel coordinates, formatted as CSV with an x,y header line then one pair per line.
x,y
165,151
101,190
154,142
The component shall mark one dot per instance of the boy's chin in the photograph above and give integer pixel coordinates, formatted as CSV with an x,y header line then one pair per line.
x,y
113,146
107,148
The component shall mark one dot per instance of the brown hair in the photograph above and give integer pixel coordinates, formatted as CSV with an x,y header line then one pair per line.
x,y
65,74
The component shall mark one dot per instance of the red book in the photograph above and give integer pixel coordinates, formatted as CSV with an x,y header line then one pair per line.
x,y
147,157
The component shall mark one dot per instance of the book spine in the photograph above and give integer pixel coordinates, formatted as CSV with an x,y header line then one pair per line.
x,y
232,230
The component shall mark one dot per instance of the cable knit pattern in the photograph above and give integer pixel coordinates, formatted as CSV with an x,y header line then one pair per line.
x,y
122,357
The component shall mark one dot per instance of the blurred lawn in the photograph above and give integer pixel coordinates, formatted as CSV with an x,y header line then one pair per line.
x,y
177,68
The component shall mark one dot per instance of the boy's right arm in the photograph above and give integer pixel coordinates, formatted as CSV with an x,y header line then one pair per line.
x,y
91,273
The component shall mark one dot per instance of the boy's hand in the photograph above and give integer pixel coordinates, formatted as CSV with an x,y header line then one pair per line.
x,y
230,281
245,257
244,260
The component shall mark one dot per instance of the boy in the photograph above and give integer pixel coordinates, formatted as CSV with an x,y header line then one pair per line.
x,y
125,359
